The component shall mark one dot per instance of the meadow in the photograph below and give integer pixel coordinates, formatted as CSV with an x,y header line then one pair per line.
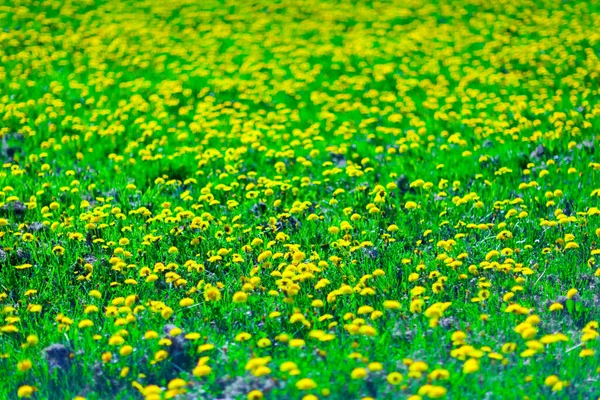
x,y
299,199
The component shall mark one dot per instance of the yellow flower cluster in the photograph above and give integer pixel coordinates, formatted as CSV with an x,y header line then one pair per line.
x,y
299,199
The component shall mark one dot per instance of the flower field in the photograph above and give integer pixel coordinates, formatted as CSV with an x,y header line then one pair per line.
x,y
312,199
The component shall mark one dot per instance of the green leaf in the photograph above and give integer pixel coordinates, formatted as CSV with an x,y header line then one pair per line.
x,y
570,306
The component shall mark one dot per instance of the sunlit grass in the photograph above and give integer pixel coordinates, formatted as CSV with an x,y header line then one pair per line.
x,y
303,199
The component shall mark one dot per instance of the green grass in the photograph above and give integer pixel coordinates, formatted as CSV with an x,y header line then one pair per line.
x,y
319,156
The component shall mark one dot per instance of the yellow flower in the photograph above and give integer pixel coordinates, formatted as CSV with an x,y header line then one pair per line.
x,y
551,380
358,373
25,391
288,366
261,371
432,391
58,250
34,308
201,370
441,374
242,337
364,310
306,384
394,378
571,245
317,303
166,312
90,309
553,338
160,355
9,329
470,366
205,347
186,302
458,337
556,307
375,366
150,335
255,395
24,365
571,293
116,340
106,357
586,353
240,297
391,304
32,340
212,294
126,350
86,323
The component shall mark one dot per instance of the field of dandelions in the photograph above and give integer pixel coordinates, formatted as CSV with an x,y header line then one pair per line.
x,y
299,199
